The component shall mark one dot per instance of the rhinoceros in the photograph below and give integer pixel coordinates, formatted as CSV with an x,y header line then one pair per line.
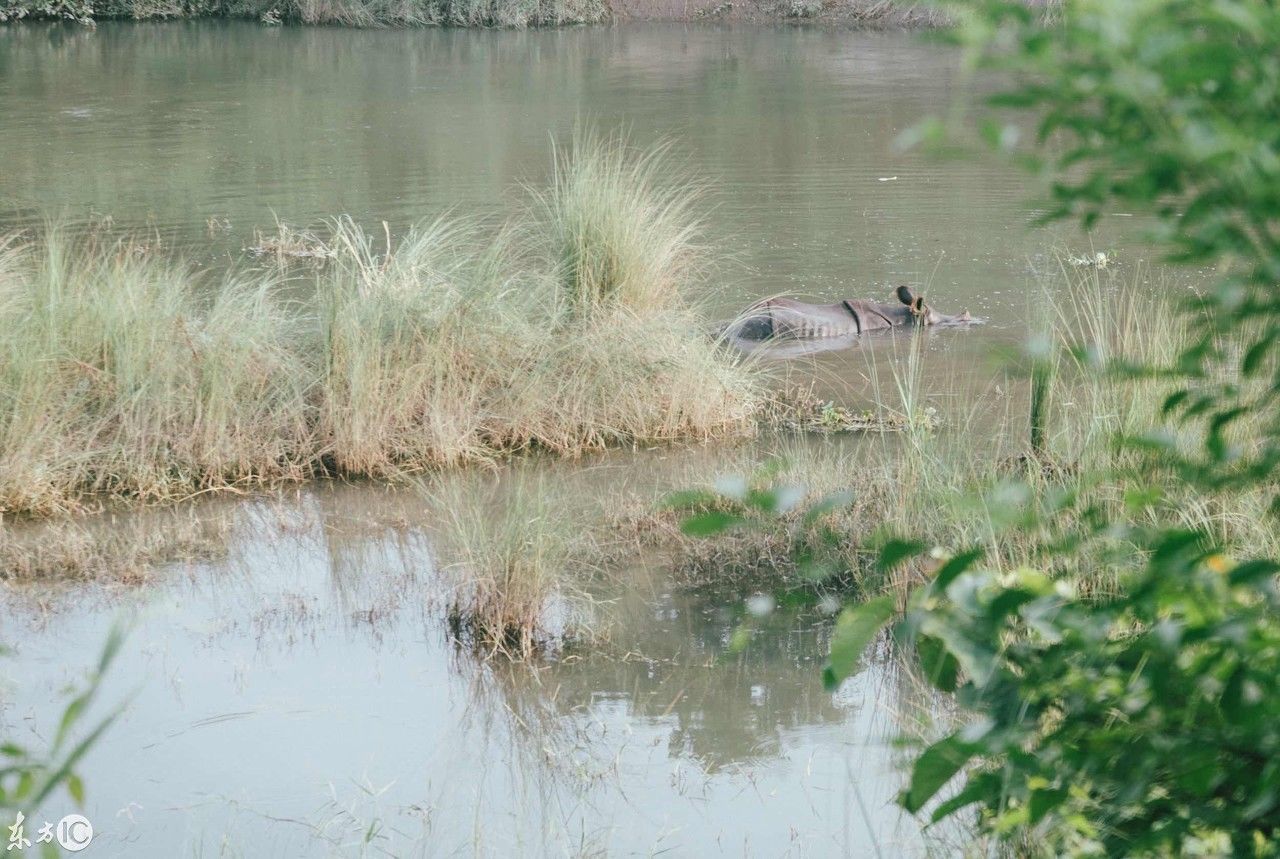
x,y
788,318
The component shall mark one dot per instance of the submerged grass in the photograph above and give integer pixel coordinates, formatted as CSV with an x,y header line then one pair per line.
x,y
127,376
517,567
117,551
960,484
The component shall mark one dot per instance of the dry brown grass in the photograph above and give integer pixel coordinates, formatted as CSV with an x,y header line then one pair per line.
x,y
114,550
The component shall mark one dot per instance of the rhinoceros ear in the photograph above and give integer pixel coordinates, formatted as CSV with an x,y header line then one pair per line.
x,y
905,295
917,306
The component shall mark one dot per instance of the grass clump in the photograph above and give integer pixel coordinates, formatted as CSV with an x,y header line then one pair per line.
x,y
621,231
516,566
119,377
125,375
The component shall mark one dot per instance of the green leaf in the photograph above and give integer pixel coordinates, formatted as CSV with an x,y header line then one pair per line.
x,y
709,523
1251,571
1257,353
111,649
896,550
72,759
1044,801
956,565
75,787
855,629
977,659
936,766
972,792
940,667
70,715
26,785
1139,498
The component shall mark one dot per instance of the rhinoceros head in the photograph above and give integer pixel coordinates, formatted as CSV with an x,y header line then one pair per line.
x,y
923,314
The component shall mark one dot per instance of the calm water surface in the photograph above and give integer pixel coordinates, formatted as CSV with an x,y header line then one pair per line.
x,y
296,695
170,125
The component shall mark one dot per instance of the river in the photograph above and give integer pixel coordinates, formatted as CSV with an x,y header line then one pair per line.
x,y
295,692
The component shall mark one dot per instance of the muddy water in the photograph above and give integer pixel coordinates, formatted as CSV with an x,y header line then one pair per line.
x,y
295,694
170,125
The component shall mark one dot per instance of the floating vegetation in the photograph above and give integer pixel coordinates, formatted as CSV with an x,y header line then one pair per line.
x,y
827,417
1098,260
125,551
799,409
286,243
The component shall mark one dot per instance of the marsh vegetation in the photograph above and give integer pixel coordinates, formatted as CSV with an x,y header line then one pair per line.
x,y
125,374
603,642
511,14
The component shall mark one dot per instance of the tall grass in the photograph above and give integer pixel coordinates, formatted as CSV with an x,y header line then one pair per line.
x,y
124,375
118,376
621,232
992,456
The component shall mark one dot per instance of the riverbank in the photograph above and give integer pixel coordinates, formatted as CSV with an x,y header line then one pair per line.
x,y
487,13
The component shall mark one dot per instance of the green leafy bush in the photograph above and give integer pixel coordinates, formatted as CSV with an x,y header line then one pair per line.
x,y
1140,722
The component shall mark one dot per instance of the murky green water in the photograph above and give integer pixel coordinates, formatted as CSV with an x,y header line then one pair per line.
x,y
297,696
170,125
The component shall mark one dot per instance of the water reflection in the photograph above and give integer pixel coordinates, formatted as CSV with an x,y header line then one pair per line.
x,y
168,125
299,688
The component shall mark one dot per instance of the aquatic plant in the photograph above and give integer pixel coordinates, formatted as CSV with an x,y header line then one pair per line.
x,y
952,482
118,377
1138,721
517,567
121,549
29,778
125,374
